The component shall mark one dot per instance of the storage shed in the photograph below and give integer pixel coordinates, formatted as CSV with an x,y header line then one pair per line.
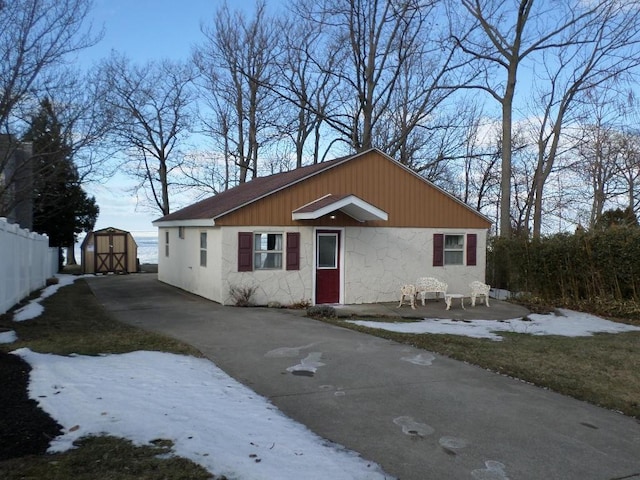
x,y
109,250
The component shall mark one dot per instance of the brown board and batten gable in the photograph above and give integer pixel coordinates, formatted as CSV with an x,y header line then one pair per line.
x,y
390,194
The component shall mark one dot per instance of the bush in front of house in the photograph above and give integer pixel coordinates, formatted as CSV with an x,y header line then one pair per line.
x,y
300,305
242,295
323,311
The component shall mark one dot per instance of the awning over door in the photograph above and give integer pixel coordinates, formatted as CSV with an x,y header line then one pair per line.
x,y
351,205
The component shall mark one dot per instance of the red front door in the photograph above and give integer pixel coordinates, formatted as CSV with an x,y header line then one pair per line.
x,y
327,266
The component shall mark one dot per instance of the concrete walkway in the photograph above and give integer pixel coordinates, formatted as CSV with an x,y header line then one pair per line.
x,y
419,415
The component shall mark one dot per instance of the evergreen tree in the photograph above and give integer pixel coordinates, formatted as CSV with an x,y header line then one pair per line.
x,y
61,208
617,218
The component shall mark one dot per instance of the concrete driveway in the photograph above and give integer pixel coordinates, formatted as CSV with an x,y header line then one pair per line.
x,y
419,415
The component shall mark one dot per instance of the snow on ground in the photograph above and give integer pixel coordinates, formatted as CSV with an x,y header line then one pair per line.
x,y
8,337
34,309
568,324
211,418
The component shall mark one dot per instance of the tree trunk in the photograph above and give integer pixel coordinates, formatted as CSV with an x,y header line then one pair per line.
x,y
164,186
505,181
71,255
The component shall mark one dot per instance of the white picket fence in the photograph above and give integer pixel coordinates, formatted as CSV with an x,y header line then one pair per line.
x,y
26,261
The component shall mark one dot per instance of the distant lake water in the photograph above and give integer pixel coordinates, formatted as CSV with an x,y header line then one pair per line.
x,y
147,246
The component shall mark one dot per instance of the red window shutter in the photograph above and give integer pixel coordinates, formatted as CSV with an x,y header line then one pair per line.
x,y
438,249
293,251
245,251
472,242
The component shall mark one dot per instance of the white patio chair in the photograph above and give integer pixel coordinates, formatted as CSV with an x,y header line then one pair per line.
x,y
479,288
408,291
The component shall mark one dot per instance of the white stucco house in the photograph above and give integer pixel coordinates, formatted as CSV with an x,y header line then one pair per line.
x,y
345,231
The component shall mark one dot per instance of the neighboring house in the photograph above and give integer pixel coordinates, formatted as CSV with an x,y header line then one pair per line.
x,y
351,230
16,181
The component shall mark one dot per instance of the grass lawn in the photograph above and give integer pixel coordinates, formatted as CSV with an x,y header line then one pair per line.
x,y
603,369
74,322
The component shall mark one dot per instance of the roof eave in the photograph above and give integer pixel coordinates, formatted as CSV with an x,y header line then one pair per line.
x,y
197,222
353,206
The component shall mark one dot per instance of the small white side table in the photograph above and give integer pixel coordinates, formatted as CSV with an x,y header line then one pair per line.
x,y
450,296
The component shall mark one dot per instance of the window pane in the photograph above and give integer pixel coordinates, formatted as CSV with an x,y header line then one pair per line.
x,y
327,251
274,260
265,260
453,242
276,239
267,241
453,257
203,239
203,258
260,241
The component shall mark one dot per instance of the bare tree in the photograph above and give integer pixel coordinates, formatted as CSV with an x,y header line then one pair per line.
x,y
85,122
36,38
393,65
205,172
481,155
307,85
237,65
599,153
572,73
629,165
501,34
522,173
629,168
150,106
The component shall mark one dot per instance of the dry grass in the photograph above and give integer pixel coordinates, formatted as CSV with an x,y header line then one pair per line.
x,y
105,458
603,369
74,322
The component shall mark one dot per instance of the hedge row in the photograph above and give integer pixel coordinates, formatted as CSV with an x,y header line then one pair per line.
x,y
582,266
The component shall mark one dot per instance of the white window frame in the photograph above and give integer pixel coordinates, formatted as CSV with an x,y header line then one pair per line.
x,y
203,249
256,252
336,251
166,243
456,249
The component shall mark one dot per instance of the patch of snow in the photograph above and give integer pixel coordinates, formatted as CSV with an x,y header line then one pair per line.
x,y
500,294
33,309
8,337
568,324
310,363
211,418
284,352
424,359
